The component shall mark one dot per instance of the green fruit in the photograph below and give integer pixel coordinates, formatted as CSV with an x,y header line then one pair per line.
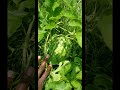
x,y
59,48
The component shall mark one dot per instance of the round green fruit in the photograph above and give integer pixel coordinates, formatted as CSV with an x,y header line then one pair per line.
x,y
59,48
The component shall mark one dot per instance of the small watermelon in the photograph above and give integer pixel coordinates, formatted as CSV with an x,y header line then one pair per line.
x,y
59,48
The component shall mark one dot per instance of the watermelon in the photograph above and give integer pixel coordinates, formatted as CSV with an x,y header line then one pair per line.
x,y
59,48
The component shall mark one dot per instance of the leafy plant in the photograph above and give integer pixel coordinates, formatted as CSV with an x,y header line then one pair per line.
x,y
60,35
98,44
20,37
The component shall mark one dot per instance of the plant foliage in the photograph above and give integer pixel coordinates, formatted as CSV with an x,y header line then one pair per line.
x,y
21,33
98,44
60,35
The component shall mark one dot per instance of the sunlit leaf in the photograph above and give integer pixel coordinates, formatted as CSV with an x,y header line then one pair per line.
x,y
40,35
74,23
79,38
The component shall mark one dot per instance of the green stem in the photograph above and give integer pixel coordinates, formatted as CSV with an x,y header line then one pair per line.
x,y
26,44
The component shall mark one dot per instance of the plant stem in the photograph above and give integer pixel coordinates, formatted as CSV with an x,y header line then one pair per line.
x,y
26,43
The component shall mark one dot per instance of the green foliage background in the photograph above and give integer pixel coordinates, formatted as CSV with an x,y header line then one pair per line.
x,y
21,38
60,35
98,44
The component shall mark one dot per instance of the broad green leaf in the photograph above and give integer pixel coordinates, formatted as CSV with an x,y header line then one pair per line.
x,y
60,85
16,1
79,75
57,11
50,26
40,35
50,84
47,2
75,83
68,14
56,77
79,88
56,85
55,5
14,23
77,69
103,80
68,86
27,4
66,68
54,17
74,23
79,38
68,4
105,25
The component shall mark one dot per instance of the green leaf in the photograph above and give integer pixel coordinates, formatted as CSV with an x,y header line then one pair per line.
x,y
79,75
105,25
75,83
50,84
79,88
77,69
68,14
75,23
68,4
40,35
16,1
68,86
66,68
60,85
79,38
47,3
55,5
57,11
27,4
50,26
14,23
56,77
103,80
57,85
